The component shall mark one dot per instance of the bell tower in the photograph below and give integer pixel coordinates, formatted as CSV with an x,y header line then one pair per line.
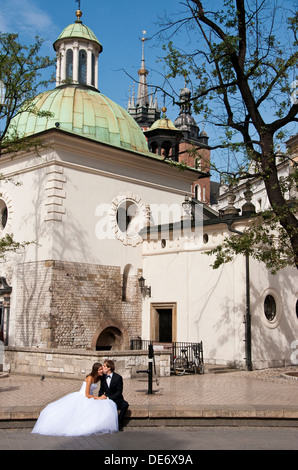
x,y
193,149
145,110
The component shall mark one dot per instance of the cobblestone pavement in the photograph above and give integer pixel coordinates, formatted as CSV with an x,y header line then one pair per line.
x,y
270,388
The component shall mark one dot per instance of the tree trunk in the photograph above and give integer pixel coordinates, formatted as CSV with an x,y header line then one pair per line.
x,y
276,198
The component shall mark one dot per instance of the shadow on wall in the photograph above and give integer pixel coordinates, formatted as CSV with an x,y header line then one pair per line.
x,y
272,339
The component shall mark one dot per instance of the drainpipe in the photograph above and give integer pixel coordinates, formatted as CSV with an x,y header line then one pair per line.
x,y
247,315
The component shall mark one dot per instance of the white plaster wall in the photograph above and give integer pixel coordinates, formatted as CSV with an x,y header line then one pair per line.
x,y
211,304
27,212
58,202
274,343
83,234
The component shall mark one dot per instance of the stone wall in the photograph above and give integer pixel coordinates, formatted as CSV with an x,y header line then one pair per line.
x,y
33,304
77,364
68,305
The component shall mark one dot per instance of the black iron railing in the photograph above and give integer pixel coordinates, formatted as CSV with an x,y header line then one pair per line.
x,y
175,348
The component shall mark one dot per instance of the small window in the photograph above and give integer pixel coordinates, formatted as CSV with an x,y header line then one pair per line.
x,y
270,308
82,67
69,64
198,162
296,308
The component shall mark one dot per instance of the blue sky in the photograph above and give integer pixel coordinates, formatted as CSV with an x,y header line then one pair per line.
x,y
118,25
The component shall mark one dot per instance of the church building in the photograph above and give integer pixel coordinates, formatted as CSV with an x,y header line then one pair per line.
x,y
81,201
118,239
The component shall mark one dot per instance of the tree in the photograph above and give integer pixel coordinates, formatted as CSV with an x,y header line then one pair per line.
x,y
243,73
21,70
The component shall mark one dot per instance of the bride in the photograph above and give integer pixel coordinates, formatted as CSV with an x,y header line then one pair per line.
x,y
79,413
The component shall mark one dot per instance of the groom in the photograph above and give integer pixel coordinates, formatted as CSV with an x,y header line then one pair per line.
x,y
112,387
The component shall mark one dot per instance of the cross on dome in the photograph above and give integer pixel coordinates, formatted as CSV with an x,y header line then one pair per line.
x,y
79,12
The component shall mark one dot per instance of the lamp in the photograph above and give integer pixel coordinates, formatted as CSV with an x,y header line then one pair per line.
x,y
146,290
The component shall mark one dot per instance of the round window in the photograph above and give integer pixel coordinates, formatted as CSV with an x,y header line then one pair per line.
x,y
270,308
3,214
128,218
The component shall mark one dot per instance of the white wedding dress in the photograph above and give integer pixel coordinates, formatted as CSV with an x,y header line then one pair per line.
x,y
77,415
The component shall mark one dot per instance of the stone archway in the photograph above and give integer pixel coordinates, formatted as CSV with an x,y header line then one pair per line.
x,y
110,335
109,338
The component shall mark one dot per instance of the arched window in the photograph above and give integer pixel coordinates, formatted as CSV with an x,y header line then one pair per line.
x,y
198,162
154,147
198,192
82,67
69,64
125,283
166,148
93,70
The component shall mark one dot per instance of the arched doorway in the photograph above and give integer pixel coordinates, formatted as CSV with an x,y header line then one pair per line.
x,y
110,338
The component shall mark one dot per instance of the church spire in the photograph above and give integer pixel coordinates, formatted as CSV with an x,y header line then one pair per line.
x,y
143,96
145,111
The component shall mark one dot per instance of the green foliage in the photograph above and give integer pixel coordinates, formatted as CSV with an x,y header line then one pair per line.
x,y
21,71
241,62
9,245
265,240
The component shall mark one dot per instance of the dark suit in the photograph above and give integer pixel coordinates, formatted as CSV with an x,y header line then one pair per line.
x,y
114,392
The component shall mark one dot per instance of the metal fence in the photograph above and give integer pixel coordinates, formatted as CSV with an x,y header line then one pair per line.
x,y
174,348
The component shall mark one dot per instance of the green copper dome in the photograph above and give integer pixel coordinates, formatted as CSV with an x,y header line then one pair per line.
x,y
163,123
84,112
78,30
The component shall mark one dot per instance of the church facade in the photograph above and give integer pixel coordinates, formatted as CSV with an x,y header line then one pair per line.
x,y
81,203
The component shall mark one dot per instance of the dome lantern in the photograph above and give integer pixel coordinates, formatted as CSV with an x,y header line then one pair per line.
x,y
164,138
77,50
